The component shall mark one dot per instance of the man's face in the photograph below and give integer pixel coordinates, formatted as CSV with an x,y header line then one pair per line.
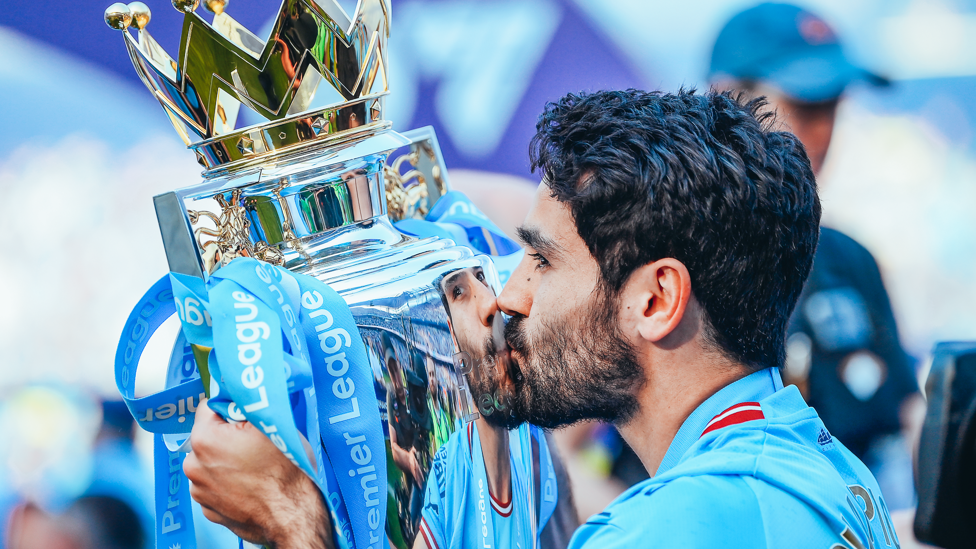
x,y
811,123
396,378
568,361
479,331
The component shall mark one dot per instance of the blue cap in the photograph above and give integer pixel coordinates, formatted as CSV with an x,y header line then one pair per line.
x,y
788,47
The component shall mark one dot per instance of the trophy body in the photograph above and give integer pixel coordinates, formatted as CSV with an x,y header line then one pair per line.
x,y
316,189
326,215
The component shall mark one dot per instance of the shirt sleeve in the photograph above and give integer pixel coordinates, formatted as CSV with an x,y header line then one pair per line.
x,y
687,513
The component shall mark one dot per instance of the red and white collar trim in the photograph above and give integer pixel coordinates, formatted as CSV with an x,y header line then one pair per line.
x,y
504,510
428,536
740,413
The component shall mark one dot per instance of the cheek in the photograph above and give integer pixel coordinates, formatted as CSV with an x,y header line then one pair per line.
x,y
559,297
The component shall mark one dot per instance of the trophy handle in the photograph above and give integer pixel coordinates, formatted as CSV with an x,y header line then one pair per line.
x,y
178,241
415,180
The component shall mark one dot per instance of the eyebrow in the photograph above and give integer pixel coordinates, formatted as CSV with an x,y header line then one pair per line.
x,y
532,237
452,278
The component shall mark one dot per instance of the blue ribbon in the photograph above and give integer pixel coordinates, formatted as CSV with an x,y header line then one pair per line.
x,y
272,334
455,217
239,313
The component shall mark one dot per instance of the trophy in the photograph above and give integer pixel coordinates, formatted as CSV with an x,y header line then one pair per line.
x,y
315,188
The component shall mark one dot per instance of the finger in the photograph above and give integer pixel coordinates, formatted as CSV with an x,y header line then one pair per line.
x,y
192,470
309,451
205,424
215,517
198,493
206,416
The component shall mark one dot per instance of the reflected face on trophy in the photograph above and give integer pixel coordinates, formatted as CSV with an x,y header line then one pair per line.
x,y
478,330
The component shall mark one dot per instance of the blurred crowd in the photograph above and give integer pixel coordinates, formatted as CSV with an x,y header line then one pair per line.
x,y
893,274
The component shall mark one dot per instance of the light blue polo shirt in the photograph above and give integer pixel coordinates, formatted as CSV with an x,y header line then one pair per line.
x,y
753,466
460,511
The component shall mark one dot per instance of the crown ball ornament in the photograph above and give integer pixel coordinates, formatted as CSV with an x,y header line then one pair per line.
x,y
216,6
118,16
140,15
186,6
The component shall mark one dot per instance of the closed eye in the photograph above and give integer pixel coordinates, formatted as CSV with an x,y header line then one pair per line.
x,y
540,261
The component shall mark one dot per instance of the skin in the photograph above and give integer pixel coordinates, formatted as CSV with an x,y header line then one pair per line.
x,y
657,314
473,311
230,463
30,527
812,123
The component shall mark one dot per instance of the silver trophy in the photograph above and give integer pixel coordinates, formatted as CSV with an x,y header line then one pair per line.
x,y
315,188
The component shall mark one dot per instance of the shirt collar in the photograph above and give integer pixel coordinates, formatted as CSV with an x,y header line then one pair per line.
x,y
752,388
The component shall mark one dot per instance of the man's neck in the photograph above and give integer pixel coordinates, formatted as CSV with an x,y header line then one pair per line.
x,y
494,448
667,398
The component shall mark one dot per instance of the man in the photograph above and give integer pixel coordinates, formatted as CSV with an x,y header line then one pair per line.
x,y
409,424
485,466
665,251
844,351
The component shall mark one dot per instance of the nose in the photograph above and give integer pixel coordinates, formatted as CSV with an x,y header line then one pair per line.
x,y
516,296
487,306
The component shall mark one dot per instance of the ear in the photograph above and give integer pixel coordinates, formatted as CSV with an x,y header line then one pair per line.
x,y
656,297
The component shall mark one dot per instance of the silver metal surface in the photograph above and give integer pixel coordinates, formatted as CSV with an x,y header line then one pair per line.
x,y
323,211
181,252
315,189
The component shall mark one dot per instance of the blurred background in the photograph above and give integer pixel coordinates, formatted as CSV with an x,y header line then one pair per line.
x,y
84,147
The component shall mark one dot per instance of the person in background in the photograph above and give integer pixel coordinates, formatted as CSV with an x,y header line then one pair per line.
x,y
70,477
843,349
91,522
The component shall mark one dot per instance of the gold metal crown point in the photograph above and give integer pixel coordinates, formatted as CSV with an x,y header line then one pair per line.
x,y
118,16
319,75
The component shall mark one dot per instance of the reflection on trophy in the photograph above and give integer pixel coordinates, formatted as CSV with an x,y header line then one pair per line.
x,y
493,463
315,188
478,330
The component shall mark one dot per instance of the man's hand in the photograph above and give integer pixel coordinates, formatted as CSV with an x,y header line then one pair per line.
x,y
245,483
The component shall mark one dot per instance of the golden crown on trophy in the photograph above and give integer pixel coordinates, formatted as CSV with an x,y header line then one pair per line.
x,y
319,77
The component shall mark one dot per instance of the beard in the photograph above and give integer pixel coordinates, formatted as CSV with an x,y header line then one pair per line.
x,y
573,368
493,400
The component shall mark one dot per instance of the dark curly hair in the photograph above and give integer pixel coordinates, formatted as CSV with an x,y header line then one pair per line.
x,y
699,177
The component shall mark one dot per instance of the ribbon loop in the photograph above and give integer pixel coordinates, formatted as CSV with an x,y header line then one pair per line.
x,y
281,346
